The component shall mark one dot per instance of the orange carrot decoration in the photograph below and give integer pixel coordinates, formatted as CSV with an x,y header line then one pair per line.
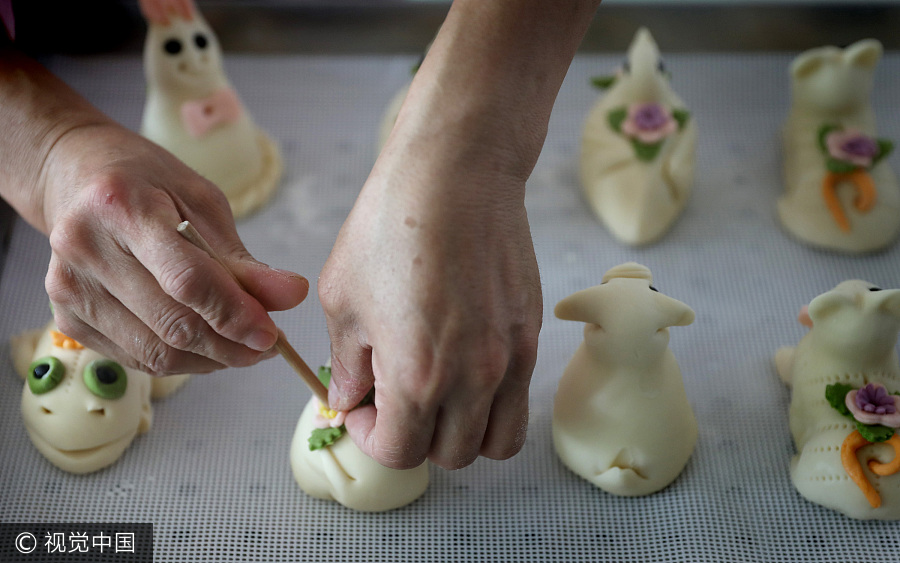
x,y
891,467
866,194
849,448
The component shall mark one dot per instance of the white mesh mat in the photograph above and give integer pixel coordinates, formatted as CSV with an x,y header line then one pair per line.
x,y
213,473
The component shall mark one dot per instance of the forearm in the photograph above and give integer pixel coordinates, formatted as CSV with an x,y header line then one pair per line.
x,y
490,81
36,111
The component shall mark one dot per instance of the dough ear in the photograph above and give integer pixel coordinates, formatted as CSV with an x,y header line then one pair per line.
x,y
807,64
582,306
677,313
891,302
865,53
827,304
21,348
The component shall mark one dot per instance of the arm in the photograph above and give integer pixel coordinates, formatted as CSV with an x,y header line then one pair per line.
x,y
432,291
120,277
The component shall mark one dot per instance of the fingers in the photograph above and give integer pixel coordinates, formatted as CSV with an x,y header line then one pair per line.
x,y
393,431
508,421
129,338
163,301
276,290
351,376
483,413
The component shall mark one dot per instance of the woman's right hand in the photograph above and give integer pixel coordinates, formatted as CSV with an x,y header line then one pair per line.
x,y
124,282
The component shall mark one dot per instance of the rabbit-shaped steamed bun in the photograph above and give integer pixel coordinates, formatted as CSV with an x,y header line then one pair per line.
x,y
621,418
840,194
193,111
637,149
852,342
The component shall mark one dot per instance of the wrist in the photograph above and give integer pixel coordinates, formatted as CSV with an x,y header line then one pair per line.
x,y
37,111
491,77
76,151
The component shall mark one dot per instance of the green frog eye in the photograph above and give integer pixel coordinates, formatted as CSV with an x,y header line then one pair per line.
x,y
106,379
44,374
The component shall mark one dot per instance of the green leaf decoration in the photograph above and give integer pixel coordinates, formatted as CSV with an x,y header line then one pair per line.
x,y
644,151
885,147
836,395
681,116
324,375
823,132
616,117
874,432
840,166
324,437
603,82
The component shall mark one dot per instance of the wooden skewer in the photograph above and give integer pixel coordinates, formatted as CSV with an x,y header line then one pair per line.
x,y
281,344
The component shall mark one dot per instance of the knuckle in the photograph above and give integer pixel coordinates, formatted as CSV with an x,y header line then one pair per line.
x,y
329,294
490,365
61,285
160,359
72,237
179,328
184,280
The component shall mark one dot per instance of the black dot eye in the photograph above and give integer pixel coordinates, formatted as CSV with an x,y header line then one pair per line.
x,y
45,374
654,289
201,41
172,46
874,289
661,67
106,379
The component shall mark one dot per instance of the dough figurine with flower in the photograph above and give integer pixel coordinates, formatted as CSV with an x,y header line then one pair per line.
x,y
328,465
621,417
82,410
194,112
840,194
638,147
845,396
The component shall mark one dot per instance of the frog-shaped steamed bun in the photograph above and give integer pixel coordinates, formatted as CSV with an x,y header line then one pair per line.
x,y
81,410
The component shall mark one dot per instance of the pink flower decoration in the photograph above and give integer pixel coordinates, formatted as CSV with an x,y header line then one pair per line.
x,y
649,123
874,405
852,146
323,421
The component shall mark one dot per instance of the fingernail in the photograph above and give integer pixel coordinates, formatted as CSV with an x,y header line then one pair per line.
x,y
261,340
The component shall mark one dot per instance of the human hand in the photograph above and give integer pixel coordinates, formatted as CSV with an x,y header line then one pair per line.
x,y
432,295
124,282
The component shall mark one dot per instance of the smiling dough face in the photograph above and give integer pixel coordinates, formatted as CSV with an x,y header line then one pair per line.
x,y
74,428
341,472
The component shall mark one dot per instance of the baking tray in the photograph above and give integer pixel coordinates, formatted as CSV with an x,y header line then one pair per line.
x,y
213,474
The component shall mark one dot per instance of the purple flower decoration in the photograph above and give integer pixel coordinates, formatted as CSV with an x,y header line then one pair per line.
x,y
649,123
852,146
874,405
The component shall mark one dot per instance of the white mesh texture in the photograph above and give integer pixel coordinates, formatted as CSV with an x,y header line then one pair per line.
x,y
213,473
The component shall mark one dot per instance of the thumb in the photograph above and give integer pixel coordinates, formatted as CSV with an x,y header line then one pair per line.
x,y
351,375
276,290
